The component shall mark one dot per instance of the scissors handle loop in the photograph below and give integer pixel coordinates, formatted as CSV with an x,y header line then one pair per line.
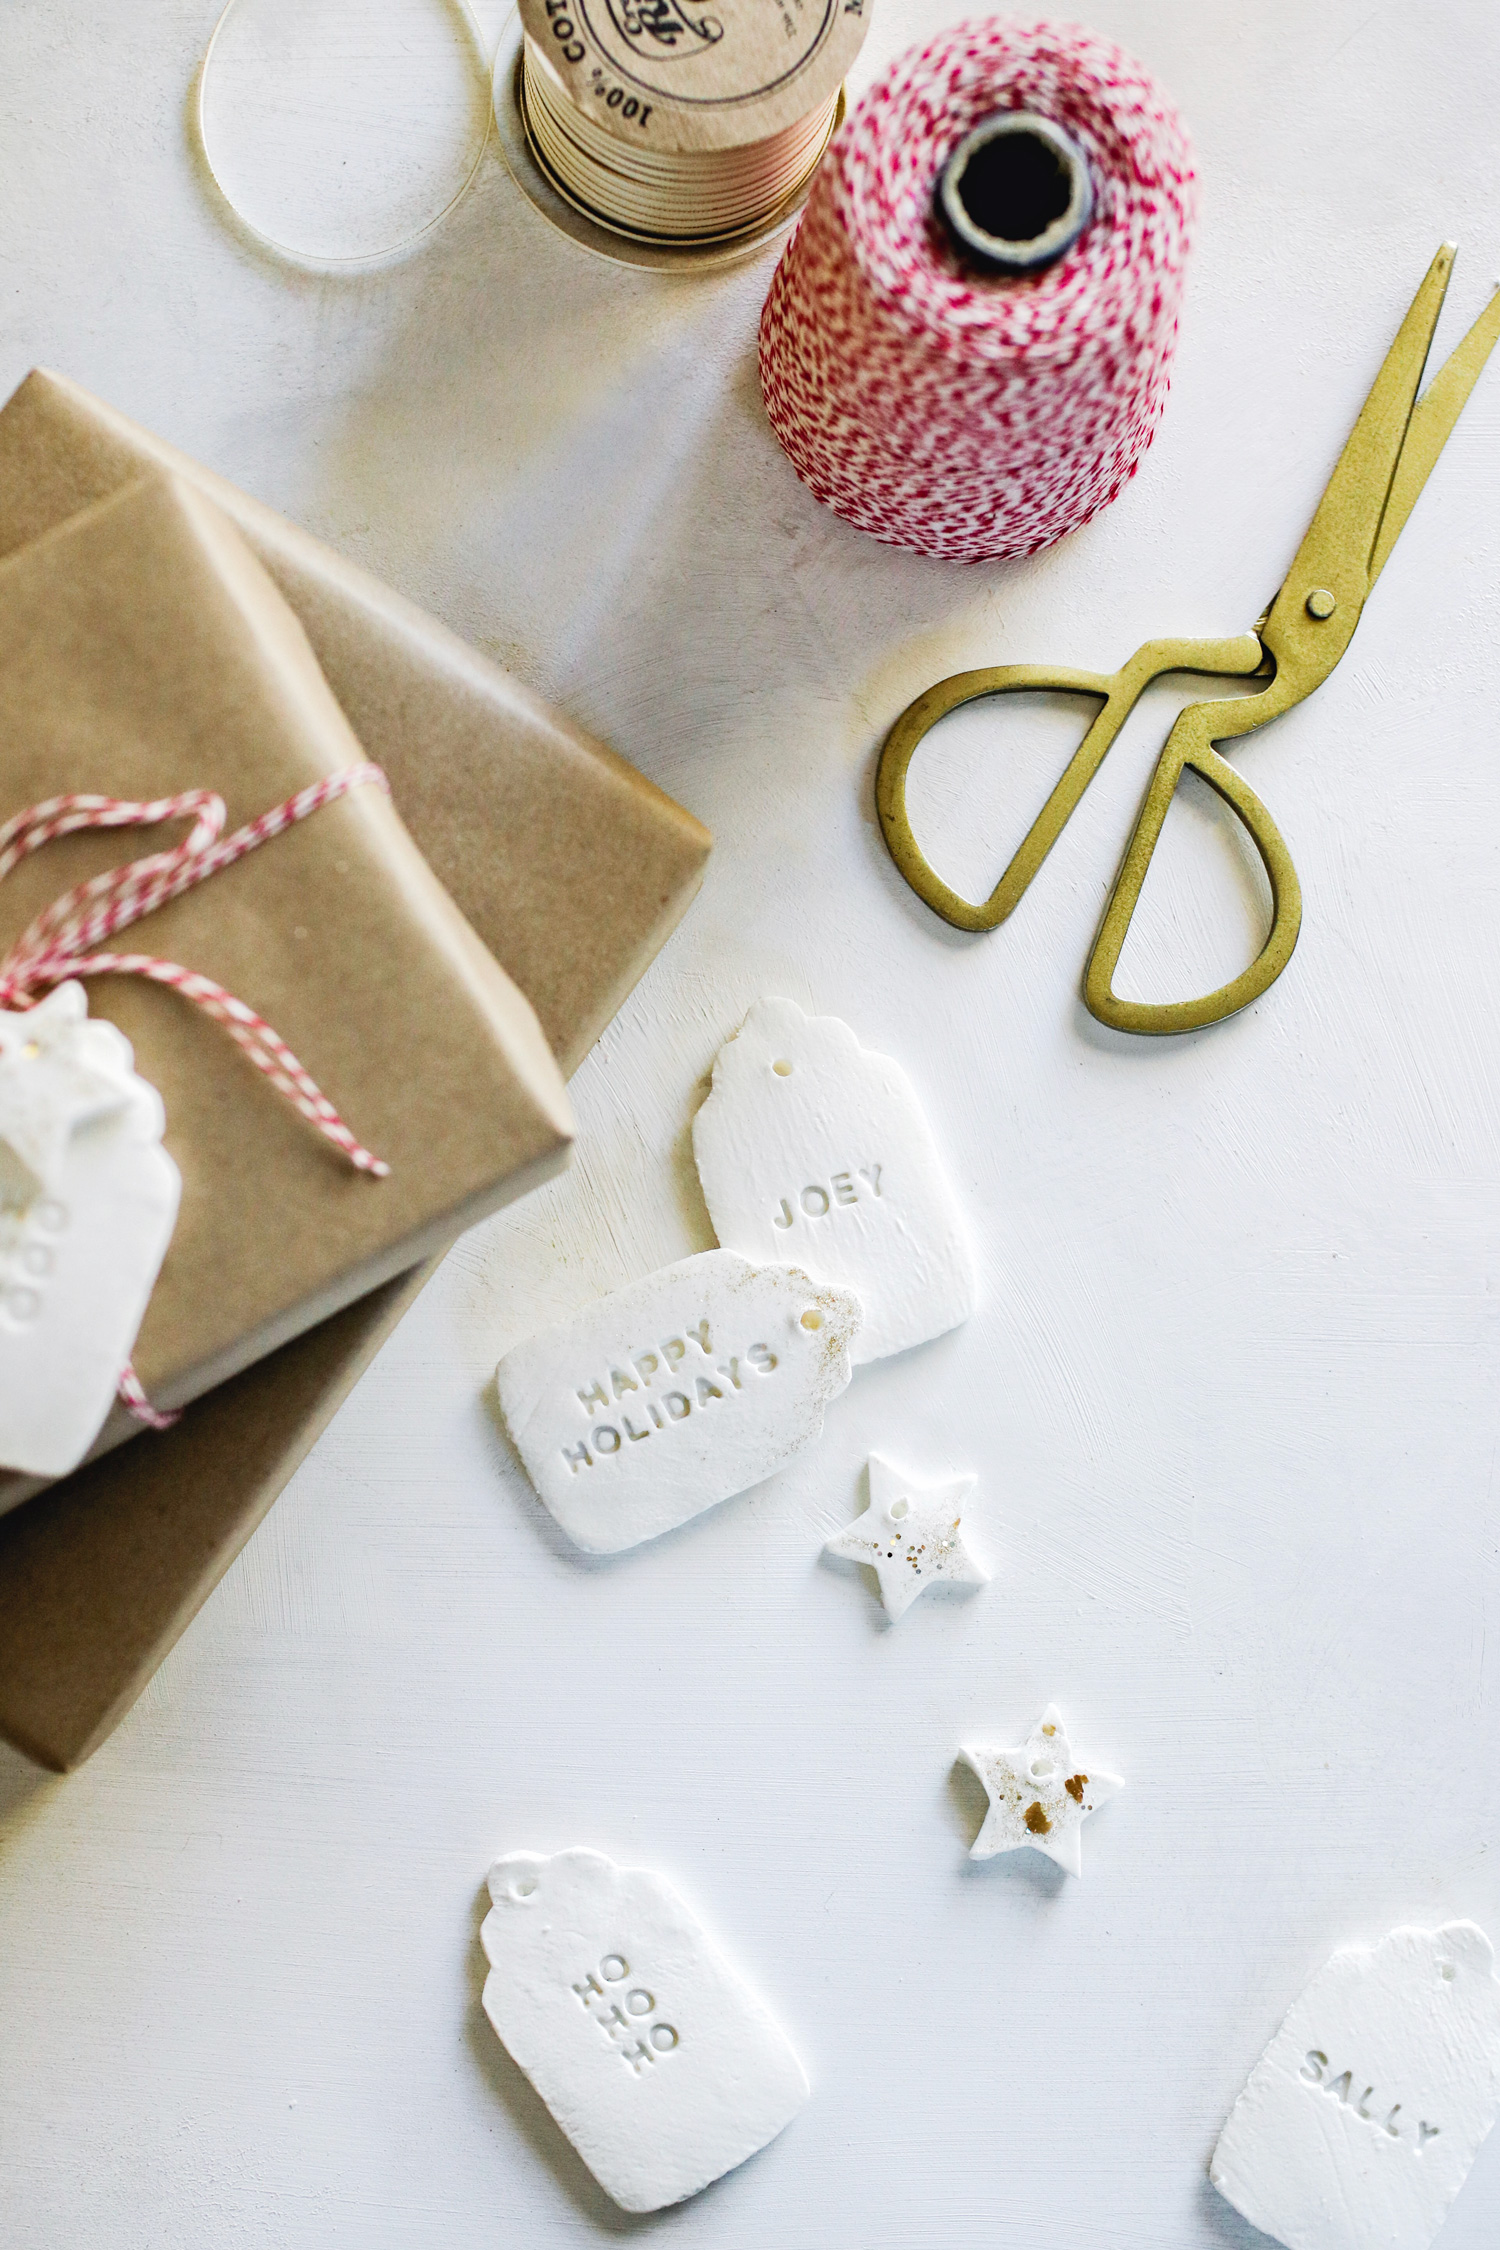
x,y
907,736
1190,745
1117,694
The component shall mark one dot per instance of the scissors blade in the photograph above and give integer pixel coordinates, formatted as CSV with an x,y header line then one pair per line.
x,y
1431,425
1338,548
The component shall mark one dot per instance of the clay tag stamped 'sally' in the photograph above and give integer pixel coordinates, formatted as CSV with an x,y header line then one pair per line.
x,y
813,1149
658,2062
88,1201
668,1395
1357,2127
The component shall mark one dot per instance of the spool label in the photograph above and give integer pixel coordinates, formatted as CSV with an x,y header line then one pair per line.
x,y
695,74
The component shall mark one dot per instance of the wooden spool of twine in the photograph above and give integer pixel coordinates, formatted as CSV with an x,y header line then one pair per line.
x,y
669,125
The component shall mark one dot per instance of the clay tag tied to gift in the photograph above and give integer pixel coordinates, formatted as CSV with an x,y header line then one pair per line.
x,y
1038,1795
88,1201
1358,2125
668,1395
812,1149
658,2062
909,1536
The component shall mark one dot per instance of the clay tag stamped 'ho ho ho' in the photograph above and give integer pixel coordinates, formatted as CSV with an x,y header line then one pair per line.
x,y
813,1149
668,1395
88,1201
655,2058
1360,2121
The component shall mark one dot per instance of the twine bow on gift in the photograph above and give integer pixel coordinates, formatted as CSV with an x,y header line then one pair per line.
x,y
60,942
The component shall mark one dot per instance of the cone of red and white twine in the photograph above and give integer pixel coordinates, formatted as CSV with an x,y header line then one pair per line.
x,y
963,415
60,942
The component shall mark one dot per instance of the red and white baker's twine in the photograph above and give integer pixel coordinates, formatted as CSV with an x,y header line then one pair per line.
x,y
964,416
60,942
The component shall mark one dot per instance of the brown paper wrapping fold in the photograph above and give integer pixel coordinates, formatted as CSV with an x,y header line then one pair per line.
x,y
101,1574
144,652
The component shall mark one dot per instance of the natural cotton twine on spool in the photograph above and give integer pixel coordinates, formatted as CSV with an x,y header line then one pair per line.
x,y
939,397
670,124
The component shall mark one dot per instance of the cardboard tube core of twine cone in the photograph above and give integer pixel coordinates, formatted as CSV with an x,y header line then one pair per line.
x,y
1016,193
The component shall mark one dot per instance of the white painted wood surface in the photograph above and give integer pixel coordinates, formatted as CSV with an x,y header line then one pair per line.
x,y
1231,1389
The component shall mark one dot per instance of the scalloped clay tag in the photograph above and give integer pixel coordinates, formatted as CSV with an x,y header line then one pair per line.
x,y
1359,2123
812,1148
659,2063
88,1201
668,1395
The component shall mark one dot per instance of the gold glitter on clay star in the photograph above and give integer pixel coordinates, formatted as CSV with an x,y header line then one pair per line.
x,y
909,1536
1039,1794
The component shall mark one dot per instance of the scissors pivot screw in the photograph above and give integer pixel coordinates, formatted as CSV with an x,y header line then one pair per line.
x,y
1320,603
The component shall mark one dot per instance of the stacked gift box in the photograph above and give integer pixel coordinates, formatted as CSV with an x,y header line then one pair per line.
x,y
437,957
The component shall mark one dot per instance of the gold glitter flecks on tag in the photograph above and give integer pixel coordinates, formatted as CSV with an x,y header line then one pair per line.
x,y
910,1536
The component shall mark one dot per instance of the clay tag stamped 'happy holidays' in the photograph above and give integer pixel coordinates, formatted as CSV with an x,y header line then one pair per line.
x,y
672,1393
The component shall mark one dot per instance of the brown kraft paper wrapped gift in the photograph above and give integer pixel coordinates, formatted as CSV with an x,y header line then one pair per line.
x,y
101,1574
505,800
144,652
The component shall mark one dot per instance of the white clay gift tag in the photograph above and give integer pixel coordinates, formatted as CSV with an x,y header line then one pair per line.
x,y
655,2058
674,1392
910,1535
812,1149
88,1201
1357,2127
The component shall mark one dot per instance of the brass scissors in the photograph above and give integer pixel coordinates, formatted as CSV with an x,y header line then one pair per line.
x,y
1296,644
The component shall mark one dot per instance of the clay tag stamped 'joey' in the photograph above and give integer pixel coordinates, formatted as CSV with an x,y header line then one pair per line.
x,y
658,2062
812,1149
88,1201
668,1395
1358,2125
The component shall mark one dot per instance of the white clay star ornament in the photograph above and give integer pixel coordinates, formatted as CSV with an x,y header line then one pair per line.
x,y
910,1536
1038,1795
